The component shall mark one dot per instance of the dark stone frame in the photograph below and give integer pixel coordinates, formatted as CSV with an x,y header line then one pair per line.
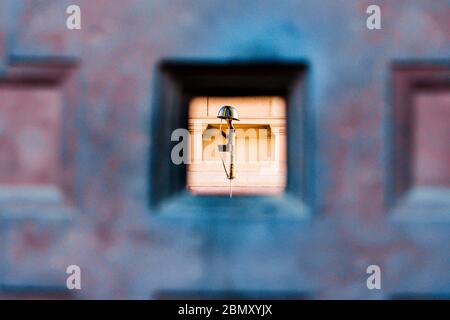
x,y
178,81
407,78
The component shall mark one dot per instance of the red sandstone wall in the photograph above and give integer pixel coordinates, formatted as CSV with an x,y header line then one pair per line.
x,y
74,124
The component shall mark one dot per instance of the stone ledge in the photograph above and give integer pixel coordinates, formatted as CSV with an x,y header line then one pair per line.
x,y
187,207
34,202
32,194
423,204
60,214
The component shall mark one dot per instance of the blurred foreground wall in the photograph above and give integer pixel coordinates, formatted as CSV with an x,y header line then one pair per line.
x,y
75,109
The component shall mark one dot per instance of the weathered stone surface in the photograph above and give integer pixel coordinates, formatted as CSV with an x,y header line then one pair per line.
x,y
124,250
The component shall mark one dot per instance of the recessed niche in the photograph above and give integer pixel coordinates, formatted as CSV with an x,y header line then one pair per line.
x,y
419,177
431,132
30,127
32,131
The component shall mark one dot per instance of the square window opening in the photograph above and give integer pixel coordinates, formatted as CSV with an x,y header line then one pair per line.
x,y
183,89
257,152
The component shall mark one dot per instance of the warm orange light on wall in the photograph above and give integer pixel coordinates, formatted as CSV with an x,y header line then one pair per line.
x,y
259,149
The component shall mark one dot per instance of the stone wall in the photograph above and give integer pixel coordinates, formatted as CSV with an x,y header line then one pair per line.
x,y
87,163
